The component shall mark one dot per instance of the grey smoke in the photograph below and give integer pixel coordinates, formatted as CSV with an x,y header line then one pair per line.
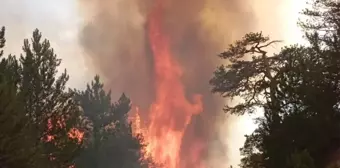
x,y
115,39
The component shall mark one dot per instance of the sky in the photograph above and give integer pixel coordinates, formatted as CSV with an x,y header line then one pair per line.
x,y
59,22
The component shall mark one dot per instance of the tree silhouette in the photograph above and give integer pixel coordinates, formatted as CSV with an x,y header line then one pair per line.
x,y
298,90
110,142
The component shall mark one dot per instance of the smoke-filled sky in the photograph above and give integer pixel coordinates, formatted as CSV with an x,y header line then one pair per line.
x,y
110,37
57,20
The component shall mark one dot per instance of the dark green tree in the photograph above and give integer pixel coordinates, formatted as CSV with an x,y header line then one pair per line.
x,y
50,108
298,91
321,23
300,159
109,141
15,142
2,40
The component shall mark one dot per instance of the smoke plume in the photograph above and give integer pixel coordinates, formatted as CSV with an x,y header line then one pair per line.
x,y
116,40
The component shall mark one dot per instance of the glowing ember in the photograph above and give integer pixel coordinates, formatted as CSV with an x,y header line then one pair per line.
x,y
76,134
171,112
73,133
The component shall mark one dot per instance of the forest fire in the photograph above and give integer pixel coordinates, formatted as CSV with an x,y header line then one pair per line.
x,y
73,133
161,54
171,112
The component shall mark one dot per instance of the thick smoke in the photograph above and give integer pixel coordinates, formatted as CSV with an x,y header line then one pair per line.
x,y
115,40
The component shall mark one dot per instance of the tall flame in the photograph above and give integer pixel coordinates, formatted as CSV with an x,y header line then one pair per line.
x,y
171,112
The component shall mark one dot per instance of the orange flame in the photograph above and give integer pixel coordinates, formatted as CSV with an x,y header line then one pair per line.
x,y
73,133
137,125
171,112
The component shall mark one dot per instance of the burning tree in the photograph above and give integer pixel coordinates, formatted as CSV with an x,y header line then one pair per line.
x,y
45,100
39,108
109,140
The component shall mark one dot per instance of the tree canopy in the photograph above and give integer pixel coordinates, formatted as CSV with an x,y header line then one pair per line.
x,y
110,142
45,124
297,90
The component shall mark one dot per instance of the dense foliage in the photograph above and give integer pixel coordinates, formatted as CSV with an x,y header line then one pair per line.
x,y
110,142
45,125
297,90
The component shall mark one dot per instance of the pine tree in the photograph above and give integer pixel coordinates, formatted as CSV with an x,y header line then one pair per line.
x,y
12,121
17,146
298,91
110,142
2,40
50,108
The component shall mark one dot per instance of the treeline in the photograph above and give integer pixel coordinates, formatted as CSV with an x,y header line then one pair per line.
x,y
298,90
45,125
